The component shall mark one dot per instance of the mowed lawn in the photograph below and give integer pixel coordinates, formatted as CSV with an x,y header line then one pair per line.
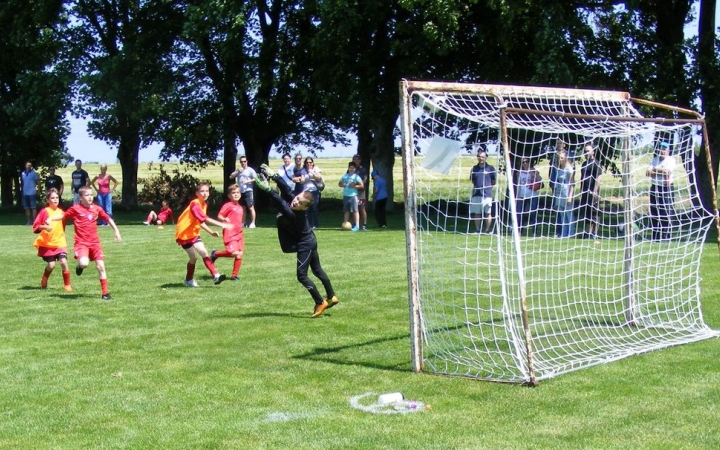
x,y
241,365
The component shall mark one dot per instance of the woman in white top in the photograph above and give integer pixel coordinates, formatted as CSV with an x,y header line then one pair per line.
x,y
529,183
662,208
563,191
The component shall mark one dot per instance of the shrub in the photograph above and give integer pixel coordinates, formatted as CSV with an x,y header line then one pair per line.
x,y
176,187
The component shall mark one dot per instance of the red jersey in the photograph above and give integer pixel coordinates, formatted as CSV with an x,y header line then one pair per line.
x,y
165,215
85,221
234,213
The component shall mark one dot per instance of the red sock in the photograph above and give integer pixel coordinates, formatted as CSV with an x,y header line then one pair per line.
x,y
236,266
210,266
190,271
47,273
103,286
66,278
222,254
149,218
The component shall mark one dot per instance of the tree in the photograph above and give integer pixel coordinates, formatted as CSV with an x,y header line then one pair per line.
x,y
33,89
120,51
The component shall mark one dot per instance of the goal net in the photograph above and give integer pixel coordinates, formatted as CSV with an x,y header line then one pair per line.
x,y
575,242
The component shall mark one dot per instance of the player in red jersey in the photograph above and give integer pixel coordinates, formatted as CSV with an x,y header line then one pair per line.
x,y
234,239
162,217
87,241
187,235
51,243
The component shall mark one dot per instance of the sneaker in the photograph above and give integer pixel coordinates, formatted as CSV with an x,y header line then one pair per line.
x,y
43,282
79,270
383,226
252,225
106,296
146,223
219,278
332,301
234,279
67,288
355,228
363,227
191,283
317,312
213,258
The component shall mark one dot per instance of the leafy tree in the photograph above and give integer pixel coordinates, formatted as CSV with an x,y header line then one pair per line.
x,y
120,52
33,89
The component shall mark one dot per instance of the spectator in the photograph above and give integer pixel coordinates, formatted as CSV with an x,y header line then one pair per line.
x,y
54,182
590,173
286,170
315,185
361,195
662,209
351,182
28,182
379,197
483,177
529,183
299,174
101,184
80,178
246,176
564,186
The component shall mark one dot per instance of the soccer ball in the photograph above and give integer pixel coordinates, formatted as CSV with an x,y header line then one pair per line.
x,y
346,226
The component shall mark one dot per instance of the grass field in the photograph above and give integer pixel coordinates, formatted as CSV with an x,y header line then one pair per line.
x,y
241,366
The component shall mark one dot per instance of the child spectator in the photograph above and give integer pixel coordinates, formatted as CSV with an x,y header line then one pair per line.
x,y
87,242
187,235
51,243
351,182
296,236
234,239
162,217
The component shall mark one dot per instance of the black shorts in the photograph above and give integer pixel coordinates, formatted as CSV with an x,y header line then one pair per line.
x,y
57,257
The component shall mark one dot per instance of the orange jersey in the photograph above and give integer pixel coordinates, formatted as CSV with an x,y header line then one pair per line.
x,y
50,239
188,224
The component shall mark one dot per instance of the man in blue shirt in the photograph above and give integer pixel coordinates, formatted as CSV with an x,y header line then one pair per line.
x,y
483,177
28,180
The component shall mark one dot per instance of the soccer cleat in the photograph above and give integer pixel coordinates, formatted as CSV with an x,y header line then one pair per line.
x,y
332,301
219,278
363,227
106,296
146,223
79,270
213,258
319,309
234,279
67,288
43,282
191,283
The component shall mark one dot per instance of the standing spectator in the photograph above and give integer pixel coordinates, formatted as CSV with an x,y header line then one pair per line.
x,y
80,178
483,177
379,197
55,182
246,176
314,184
299,174
51,243
662,208
101,184
234,239
351,183
361,195
529,183
28,181
564,186
87,242
590,173
286,170
296,236
187,235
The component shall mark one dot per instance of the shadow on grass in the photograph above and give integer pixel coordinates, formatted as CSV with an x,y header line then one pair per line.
x,y
332,354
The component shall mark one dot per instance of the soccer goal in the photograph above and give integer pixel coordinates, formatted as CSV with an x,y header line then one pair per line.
x,y
577,266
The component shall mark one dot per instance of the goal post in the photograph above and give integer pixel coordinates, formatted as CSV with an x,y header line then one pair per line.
x,y
589,244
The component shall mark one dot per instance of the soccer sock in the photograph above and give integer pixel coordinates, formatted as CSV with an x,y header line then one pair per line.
x,y
210,266
103,286
222,254
47,273
149,218
236,266
66,278
190,271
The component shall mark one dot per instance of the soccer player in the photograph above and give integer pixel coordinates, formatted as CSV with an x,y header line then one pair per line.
x,y
162,217
51,243
87,241
234,239
187,235
296,236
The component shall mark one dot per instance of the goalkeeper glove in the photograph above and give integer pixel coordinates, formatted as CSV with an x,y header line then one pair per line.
x,y
261,182
265,170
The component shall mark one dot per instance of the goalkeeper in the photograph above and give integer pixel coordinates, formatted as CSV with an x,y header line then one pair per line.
x,y
296,236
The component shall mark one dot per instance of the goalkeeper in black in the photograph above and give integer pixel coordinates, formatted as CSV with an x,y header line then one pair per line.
x,y
296,236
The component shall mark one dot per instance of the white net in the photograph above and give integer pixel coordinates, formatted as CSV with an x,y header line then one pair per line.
x,y
568,276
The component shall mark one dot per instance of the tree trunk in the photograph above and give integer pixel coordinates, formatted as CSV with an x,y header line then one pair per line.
x,y
127,154
376,144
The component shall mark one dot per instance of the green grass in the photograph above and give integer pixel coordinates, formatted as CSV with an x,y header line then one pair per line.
x,y
241,366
